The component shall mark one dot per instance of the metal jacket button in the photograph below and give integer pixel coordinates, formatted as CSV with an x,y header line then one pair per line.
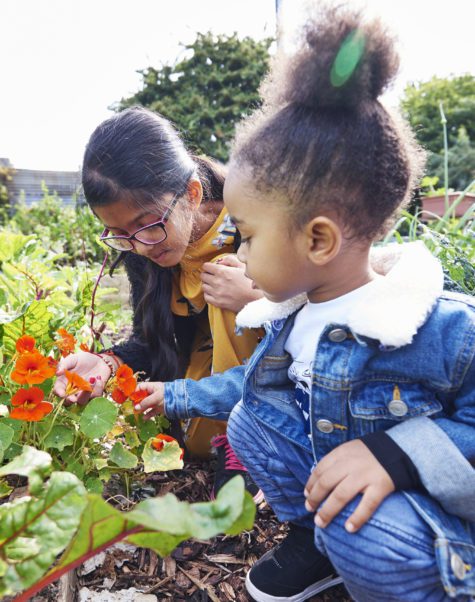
x,y
337,335
397,407
324,425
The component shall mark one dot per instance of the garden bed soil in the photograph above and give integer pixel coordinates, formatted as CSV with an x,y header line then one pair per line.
x,y
197,571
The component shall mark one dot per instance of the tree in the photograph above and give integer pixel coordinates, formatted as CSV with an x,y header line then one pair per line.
x,y
6,176
421,105
461,162
206,93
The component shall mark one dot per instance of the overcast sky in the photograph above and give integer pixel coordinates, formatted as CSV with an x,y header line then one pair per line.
x,y
65,61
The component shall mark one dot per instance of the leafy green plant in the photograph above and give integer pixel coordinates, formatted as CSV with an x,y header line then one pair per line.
x,y
71,232
208,91
41,305
6,175
450,239
58,515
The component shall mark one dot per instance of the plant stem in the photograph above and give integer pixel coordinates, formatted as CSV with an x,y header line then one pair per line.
x,y
443,120
55,415
54,575
93,302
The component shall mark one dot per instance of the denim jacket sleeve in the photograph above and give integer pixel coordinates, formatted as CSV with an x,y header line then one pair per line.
x,y
443,449
211,397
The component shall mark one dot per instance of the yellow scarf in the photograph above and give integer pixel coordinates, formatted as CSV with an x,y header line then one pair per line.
x,y
187,294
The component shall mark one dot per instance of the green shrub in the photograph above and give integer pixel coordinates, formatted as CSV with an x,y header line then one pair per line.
x,y
65,229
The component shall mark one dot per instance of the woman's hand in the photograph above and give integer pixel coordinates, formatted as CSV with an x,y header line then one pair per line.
x,y
346,471
152,405
90,367
226,286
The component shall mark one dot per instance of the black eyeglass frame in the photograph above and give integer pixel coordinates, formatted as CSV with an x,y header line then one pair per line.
x,y
161,222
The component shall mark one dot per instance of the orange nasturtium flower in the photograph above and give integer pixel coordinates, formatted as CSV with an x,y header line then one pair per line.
x,y
118,396
125,380
138,395
26,344
28,405
84,347
32,369
76,383
66,343
158,443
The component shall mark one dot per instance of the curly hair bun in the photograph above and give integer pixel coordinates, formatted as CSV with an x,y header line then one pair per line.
x,y
341,62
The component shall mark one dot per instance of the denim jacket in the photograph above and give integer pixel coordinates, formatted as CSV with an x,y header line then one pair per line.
x,y
404,362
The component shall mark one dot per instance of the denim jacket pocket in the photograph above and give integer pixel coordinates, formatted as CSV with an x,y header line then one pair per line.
x,y
394,401
272,379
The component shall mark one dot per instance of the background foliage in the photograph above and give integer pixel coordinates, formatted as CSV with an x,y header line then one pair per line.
x,y
206,93
72,231
421,107
6,174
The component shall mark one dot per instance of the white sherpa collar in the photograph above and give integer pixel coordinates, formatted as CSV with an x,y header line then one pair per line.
x,y
399,303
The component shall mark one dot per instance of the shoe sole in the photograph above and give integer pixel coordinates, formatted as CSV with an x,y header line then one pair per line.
x,y
310,591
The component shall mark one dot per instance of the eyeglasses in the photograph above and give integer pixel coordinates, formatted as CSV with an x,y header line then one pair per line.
x,y
153,234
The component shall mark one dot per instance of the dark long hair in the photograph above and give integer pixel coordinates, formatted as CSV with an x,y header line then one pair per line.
x,y
137,155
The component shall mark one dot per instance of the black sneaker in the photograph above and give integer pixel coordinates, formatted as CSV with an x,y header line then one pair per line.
x,y
229,466
293,571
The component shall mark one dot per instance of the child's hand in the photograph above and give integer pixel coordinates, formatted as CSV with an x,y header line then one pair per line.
x,y
152,405
346,471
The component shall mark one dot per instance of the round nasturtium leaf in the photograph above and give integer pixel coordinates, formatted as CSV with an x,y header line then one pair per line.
x,y
94,485
122,457
147,429
169,458
98,417
59,438
6,436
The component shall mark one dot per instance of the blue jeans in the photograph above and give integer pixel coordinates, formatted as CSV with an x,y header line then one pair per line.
x,y
391,558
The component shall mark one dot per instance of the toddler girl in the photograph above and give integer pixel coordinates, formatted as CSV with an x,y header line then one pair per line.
x,y
357,411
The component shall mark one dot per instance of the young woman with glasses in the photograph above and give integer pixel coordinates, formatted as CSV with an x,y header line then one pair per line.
x,y
162,210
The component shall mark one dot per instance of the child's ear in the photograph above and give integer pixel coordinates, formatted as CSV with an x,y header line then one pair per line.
x,y
324,238
195,193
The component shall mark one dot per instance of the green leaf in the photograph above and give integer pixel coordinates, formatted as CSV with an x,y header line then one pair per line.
x,y
169,458
13,451
5,488
100,523
94,485
245,520
31,463
6,436
59,438
33,320
132,439
147,428
33,531
163,544
98,417
77,468
159,523
122,457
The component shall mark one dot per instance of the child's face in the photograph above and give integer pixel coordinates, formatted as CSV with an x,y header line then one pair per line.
x,y
276,258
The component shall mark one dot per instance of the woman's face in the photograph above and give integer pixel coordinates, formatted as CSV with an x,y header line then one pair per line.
x,y
124,218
